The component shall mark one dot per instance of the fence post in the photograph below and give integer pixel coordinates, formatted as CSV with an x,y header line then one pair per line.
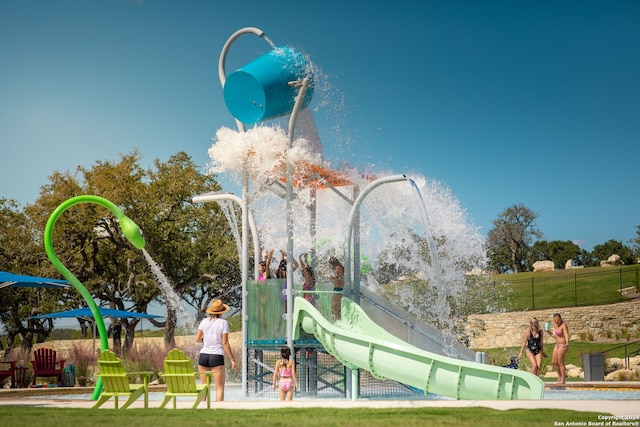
x,y
575,288
533,298
620,283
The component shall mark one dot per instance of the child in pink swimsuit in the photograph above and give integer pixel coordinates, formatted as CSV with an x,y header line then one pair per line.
x,y
286,370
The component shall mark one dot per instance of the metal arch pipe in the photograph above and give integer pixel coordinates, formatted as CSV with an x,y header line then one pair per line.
x,y
246,217
225,49
355,208
223,58
212,197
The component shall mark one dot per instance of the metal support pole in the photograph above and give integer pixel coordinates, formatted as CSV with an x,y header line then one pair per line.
x,y
304,85
245,276
244,203
355,295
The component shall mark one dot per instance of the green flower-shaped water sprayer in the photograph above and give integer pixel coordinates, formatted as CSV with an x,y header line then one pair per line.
x,y
130,230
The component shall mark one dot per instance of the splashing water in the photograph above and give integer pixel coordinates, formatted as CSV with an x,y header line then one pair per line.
x,y
263,150
173,300
230,215
397,220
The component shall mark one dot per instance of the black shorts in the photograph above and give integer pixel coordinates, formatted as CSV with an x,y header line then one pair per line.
x,y
210,360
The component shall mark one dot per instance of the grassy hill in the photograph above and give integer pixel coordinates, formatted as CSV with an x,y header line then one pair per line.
x,y
555,289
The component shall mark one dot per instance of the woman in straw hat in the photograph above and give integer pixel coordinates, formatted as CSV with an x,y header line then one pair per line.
x,y
213,333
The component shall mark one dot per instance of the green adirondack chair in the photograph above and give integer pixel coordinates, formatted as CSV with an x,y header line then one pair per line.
x,y
181,380
116,383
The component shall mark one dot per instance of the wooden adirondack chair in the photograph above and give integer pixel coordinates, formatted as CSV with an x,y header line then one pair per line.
x,y
181,380
115,382
46,364
8,373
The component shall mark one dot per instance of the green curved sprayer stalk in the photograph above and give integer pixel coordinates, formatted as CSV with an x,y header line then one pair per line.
x,y
130,230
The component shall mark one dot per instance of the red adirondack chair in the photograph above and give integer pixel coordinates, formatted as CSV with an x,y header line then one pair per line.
x,y
8,373
45,364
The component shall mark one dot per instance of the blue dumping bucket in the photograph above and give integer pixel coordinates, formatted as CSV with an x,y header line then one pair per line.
x,y
260,90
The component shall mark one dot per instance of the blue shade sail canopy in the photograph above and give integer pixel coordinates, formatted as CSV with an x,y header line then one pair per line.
x,y
11,280
86,313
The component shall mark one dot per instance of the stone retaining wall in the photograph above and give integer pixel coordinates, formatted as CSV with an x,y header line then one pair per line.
x,y
584,323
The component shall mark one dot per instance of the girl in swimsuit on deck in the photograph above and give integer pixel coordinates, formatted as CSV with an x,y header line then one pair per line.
x,y
561,334
534,344
286,370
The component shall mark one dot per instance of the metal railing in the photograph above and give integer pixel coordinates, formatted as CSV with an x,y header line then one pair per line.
x,y
629,352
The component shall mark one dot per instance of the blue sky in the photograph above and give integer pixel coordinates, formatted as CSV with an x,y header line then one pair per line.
x,y
506,102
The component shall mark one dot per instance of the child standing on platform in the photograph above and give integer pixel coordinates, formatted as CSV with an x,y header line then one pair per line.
x,y
285,369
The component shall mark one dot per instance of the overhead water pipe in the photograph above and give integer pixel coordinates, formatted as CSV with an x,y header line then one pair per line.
x,y
130,230
223,58
353,215
215,196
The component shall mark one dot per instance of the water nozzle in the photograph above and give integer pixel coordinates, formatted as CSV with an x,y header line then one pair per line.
x,y
132,232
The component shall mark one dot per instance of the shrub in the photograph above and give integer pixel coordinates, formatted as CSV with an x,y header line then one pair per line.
x,y
624,375
84,360
145,357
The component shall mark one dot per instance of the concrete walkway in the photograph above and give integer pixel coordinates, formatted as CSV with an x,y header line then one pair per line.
x,y
598,407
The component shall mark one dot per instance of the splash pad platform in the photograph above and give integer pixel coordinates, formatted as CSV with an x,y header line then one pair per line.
x,y
318,372
335,354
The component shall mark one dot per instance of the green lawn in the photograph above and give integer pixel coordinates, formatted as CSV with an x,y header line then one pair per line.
x,y
19,416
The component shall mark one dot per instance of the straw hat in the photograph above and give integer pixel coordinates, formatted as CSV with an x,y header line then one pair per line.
x,y
217,307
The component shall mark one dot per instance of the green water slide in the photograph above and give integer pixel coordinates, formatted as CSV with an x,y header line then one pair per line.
x,y
357,342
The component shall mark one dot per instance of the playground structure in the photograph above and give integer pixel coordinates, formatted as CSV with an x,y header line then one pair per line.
x,y
274,311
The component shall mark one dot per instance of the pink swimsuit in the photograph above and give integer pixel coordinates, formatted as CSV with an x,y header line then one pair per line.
x,y
285,379
560,334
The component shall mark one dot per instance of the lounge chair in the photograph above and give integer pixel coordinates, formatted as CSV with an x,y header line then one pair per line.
x,y
8,373
46,364
181,380
115,382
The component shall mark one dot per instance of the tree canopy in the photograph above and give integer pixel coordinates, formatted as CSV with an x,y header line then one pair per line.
x,y
191,243
559,252
514,245
511,238
604,251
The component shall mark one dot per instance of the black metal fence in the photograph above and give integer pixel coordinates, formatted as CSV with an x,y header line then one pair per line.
x,y
569,288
